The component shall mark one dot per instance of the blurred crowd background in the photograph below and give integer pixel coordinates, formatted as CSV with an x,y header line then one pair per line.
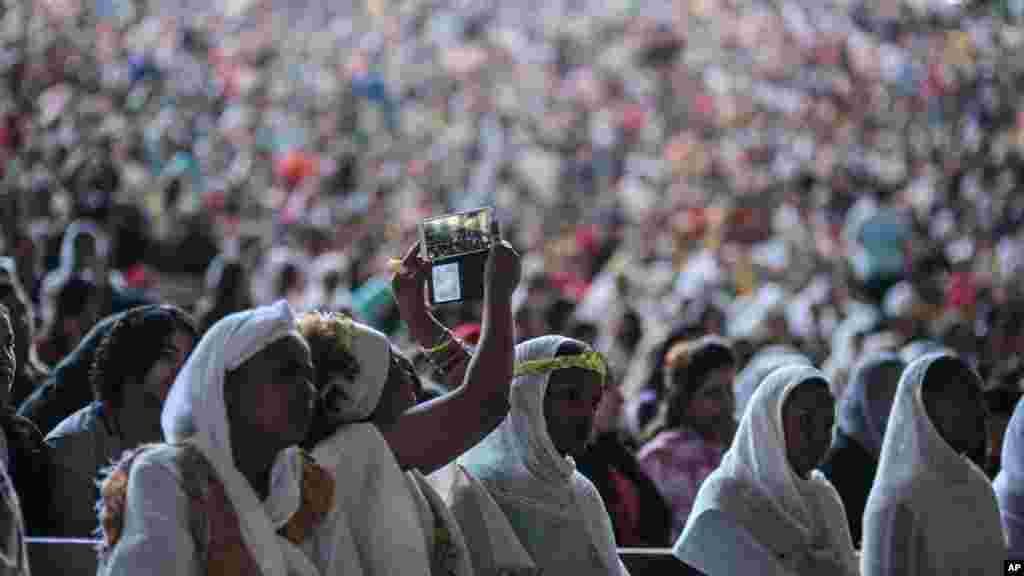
x,y
834,177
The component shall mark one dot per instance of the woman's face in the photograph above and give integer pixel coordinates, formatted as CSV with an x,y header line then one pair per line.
x,y
273,393
715,398
161,374
570,403
399,393
956,406
808,419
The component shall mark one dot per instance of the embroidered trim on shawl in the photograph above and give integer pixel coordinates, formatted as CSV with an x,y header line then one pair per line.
x,y
317,501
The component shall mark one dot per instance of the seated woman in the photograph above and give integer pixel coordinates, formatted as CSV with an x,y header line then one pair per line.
x,y
696,424
863,414
766,506
367,430
527,465
932,510
132,373
1009,483
67,388
229,492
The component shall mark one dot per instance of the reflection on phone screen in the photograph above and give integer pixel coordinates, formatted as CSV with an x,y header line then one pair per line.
x,y
447,287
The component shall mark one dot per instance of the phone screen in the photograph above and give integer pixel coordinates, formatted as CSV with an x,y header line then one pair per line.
x,y
457,234
446,282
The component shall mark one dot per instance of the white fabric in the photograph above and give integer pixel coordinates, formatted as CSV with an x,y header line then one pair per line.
x,y
931,510
760,366
359,397
375,527
718,546
57,278
493,545
195,412
867,401
1009,484
434,511
801,521
557,513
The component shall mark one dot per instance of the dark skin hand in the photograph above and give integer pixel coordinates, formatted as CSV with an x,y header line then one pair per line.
x,y
431,435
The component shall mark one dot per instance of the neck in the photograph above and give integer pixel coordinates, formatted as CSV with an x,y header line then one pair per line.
x,y
255,466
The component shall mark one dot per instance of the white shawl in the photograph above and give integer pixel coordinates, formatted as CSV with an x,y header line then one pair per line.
x,y
556,512
195,412
375,528
956,525
801,522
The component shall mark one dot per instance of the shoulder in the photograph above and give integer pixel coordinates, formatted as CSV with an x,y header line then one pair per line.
x,y
79,423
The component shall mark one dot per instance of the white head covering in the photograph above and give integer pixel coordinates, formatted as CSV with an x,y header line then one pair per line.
x,y
75,230
356,399
760,366
539,489
801,520
944,490
195,412
867,400
1009,484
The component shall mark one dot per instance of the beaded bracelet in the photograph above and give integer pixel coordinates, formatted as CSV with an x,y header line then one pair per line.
x,y
442,347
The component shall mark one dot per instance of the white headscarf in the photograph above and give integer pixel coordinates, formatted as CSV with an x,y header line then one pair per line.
x,y
944,490
195,412
56,279
359,397
801,520
1009,484
536,486
867,401
760,366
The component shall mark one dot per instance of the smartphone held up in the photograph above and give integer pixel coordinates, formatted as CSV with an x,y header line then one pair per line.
x,y
457,246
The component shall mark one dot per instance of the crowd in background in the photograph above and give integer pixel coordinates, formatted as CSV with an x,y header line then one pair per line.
x,y
820,182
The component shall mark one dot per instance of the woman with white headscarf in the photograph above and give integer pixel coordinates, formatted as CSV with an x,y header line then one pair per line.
x,y
1009,483
368,431
230,492
863,414
766,510
932,510
527,465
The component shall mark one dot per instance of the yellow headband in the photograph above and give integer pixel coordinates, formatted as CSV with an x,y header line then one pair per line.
x,y
589,360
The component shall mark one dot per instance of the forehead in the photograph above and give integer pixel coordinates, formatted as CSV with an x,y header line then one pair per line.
x,y
812,394
567,379
287,350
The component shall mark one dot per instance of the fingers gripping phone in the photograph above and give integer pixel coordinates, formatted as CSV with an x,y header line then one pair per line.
x,y
456,246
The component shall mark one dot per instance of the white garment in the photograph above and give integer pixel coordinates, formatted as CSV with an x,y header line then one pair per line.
x,y
375,527
759,367
556,512
802,522
931,511
195,412
867,401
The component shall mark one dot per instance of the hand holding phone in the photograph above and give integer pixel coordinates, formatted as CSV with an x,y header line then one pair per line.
x,y
503,271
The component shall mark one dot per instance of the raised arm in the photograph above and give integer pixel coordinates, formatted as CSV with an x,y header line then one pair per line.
x,y
432,434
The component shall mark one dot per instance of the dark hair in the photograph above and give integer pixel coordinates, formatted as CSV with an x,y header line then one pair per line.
x,y
132,346
687,366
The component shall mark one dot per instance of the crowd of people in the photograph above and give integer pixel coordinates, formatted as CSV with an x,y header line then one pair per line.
x,y
761,306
